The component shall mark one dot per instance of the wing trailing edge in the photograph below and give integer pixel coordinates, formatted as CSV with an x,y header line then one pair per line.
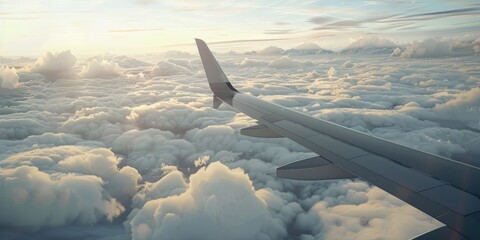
x,y
316,168
260,131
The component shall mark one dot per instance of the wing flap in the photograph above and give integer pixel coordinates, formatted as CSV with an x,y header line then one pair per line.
x,y
260,131
316,168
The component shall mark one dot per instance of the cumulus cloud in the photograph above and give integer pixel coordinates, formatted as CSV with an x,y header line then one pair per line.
x,y
465,107
218,203
31,198
248,62
8,78
63,185
55,65
307,48
331,72
428,48
284,62
100,69
175,117
348,64
436,47
396,52
165,68
98,162
476,46
272,50
371,42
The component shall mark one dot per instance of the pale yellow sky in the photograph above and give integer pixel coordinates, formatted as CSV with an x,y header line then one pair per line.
x,y
31,27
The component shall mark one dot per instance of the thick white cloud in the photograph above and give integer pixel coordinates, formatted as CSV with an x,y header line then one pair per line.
x,y
8,78
165,68
31,198
99,162
55,65
465,107
284,62
397,52
428,48
218,203
436,47
175,117
248,62
96,68
331,72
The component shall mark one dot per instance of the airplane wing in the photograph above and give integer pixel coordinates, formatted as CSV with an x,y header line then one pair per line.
x,y
443,188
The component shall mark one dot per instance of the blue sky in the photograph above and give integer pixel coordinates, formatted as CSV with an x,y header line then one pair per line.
x,y
31,27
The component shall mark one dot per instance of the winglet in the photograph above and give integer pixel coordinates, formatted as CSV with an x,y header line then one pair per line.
x,y
216,77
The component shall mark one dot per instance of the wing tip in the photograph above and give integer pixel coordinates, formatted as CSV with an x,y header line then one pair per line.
x,y
198,40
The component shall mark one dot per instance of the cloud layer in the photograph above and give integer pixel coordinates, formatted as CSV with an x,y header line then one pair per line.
x,y
149,151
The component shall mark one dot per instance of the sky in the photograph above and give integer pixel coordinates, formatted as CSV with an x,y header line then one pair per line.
x,y
107,129
31,27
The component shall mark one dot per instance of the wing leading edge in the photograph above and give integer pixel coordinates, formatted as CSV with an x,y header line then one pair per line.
x,y
443,188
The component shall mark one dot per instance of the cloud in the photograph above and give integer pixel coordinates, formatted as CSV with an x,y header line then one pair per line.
x,y
8,78
164,68
476,46
284,62
99,162
218,203
164,129
428,48
175,117
435,48
448,13
306,49
247,62
129,62
371,43
21,125
354,210
272,50
177,54
331,72
397,52
55,66
100,69
32,199
348,64
279,31
144,1
63,185
465,106
150,149
308,46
